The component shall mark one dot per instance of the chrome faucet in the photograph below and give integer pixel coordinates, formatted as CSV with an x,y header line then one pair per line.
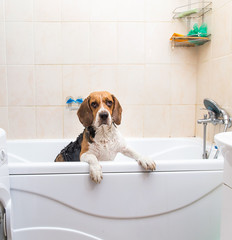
x,y
216,115
211,119
205,121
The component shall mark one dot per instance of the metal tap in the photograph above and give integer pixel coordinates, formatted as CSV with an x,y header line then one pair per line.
x,y
211,119
216,115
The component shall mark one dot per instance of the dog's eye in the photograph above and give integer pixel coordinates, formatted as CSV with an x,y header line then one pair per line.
x,y
94,104
109,103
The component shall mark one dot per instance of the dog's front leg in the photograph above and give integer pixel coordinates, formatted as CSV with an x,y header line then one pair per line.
x,y
145,162
95,168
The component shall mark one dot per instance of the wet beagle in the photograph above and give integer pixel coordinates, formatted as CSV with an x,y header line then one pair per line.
x,y
101,141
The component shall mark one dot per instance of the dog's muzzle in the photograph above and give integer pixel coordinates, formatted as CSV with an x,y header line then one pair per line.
x,y
104,118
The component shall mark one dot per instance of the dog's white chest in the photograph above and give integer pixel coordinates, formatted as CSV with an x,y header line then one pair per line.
x,y
105,146
104,150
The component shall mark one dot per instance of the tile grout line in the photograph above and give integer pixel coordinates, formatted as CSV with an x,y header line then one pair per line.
x,y
34,72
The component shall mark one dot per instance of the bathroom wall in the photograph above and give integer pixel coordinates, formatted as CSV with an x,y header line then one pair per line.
x,y
51,49
214,71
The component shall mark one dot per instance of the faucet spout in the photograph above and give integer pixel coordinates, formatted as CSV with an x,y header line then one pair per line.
x,y
204,121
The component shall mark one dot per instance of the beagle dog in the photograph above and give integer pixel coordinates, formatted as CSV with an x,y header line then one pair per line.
x,y
100,141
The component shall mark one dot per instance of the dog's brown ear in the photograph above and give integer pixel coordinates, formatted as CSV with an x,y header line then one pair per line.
x,y
85,113
117,111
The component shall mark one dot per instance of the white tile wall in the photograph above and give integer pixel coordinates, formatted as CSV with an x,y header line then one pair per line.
x,y
48,80
131,43
75,10
131,10
4,118
183,77
158,48
21,85
157,84
159,10
58,48
47,10
221,80
19,43
103,43
72,125
220,3
3,84
19,10
103,77
1,10
49,122
180,55
204,81
22,122
214,64
131,84
157,121
2,43
182,122
222,22
103,10
75,43
76,81
132,114
48,44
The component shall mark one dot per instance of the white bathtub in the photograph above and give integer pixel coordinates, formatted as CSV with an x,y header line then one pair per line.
x,y
179,201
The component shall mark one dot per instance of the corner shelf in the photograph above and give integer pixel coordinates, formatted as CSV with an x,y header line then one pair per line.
x,y
188,41
189,12
192,10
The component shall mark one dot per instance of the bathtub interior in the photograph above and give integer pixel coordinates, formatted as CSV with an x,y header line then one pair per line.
x,y
157,148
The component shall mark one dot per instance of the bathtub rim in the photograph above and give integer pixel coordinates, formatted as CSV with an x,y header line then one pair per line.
x,y
146,139
115,167
129,166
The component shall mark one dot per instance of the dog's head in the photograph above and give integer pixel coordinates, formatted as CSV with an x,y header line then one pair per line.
x,y
100,108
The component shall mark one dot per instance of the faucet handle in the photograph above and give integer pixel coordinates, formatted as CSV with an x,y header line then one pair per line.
x,y
73,104
69,100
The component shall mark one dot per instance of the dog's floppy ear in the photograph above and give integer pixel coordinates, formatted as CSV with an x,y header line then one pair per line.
x,y
117,111
85,113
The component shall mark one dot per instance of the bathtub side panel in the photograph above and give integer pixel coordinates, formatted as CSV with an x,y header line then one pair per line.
x,y
179,206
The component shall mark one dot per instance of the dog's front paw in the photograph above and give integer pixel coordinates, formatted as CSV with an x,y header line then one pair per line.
x,y
95,171
147,163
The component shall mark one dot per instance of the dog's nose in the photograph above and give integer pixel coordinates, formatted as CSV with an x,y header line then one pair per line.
x,y
103,115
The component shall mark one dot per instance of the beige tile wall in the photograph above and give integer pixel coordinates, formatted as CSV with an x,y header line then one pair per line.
x,y
51,49
214,74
